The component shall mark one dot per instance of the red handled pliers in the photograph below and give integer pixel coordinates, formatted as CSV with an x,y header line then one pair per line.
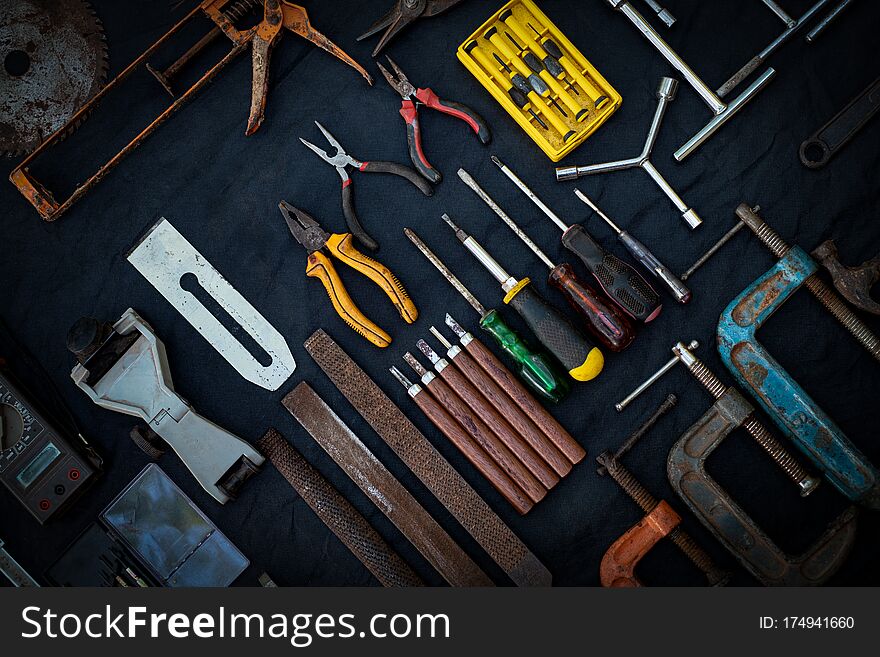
x,y
409,110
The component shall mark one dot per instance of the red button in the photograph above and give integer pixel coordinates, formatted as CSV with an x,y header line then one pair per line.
x,y
73,475
44,505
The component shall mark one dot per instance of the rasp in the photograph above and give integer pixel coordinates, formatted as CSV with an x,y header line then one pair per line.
x,y
383,489
420,456
338,513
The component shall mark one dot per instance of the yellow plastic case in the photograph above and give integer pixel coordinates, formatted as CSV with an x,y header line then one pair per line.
x,y
590,97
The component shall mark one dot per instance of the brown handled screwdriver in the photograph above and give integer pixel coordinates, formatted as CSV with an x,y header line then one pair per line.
x,y
619,280
479,431
641,253
518,393
465,444
478,403
583,361
604,320
502,403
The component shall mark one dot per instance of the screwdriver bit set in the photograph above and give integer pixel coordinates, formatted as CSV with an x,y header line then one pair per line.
x,y
537,75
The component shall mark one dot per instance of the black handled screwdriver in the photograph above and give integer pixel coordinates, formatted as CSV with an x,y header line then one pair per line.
x,y
620,280
641,253
604,320
536,369
583,360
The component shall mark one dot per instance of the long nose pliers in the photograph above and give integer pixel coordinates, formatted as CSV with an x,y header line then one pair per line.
x,y
309,233
342,161
409,110
402,14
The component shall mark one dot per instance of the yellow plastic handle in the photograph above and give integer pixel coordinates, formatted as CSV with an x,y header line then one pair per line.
x,y
320,267
341,246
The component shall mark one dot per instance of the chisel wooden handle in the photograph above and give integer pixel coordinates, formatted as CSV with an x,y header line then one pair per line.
x,y
508,409
473,452
544,421
486,439
499,426
320,267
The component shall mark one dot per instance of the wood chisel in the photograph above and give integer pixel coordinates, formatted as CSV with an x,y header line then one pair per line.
x,y
479,430
482,408
583,361
420,456
501,375
383,488
535,368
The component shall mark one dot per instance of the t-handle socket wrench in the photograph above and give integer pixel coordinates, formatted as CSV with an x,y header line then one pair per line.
x,y
665,95
778,453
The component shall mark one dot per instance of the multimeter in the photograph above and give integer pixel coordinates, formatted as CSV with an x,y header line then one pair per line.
x,y
39,466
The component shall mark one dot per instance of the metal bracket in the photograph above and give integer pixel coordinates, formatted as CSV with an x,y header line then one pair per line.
x,y
730,524
139,383
620,560
164,256
815,434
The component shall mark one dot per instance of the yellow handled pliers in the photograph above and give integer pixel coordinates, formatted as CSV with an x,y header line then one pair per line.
x,y
309,233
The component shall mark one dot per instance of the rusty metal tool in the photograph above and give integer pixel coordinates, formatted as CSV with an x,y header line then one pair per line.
x,y
182,275
641,253
805,482
54,58
125,369
402,14
478,428
420,456
620,282
665,95
470,449
505,405
712,251
13,571
537,414
792,27
816,150
812,430
854,283
340,516
722,112
536,368
315,239
721,515
341,161
382,488
798,260
604,319
579,356
482,408
409,110
225,14
618,564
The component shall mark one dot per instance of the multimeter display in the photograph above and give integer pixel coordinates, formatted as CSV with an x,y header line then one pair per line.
x,y
37,464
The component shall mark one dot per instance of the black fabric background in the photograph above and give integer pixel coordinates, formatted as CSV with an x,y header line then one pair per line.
x,y
221,191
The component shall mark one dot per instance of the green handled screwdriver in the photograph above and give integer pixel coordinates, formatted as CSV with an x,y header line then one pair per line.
x,y
536,369
579,356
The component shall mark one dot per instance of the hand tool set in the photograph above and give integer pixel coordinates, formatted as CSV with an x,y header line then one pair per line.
x,y
504,451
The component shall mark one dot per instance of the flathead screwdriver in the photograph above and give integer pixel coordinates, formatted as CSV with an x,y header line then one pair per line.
x,y
582,360
641,253
536,369
604,320
619,280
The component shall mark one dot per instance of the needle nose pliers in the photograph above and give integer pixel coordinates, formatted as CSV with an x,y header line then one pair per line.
x,y
342,161
402,14
309,233
409,110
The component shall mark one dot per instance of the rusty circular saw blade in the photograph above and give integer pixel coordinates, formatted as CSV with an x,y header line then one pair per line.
x,y
53,59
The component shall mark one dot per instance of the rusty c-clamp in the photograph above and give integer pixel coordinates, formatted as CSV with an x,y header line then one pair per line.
x,y
853,283
801,418
728,521
618,565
